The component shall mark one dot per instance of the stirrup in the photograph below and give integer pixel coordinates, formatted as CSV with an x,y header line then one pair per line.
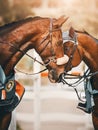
x,y
83,107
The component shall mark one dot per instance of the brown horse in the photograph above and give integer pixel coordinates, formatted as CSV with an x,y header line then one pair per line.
x,y
80,46
42,34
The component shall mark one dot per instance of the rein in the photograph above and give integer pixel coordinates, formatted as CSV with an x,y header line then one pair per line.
x,y
34,59
76,83
85,77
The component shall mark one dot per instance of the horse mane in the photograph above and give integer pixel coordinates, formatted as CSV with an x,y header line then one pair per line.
x,y
85,32
82,32
9,26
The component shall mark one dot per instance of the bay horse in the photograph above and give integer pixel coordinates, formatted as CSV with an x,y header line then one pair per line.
x,y
81,46
16,38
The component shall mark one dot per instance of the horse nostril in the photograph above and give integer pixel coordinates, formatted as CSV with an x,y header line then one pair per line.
x,y
54,74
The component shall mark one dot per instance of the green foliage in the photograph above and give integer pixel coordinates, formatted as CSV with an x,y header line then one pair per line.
x,y
5,11
21,11
9,13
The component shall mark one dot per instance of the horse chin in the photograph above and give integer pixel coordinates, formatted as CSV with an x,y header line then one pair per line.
x,y
53,76
52,81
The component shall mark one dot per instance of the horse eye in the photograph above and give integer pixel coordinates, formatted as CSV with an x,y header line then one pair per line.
x,y
66,49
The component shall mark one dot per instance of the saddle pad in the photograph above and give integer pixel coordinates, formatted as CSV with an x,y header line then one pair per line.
x,y
19,92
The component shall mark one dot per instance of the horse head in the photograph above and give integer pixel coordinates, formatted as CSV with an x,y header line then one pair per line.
x,y
51,48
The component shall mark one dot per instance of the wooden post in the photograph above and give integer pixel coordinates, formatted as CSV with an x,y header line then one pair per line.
x,y
37,82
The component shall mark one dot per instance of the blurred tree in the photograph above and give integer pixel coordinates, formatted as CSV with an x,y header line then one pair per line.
x,y
5,12
21,10
11,12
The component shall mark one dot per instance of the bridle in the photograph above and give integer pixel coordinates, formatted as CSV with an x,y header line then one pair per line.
x,y
53,57
86,106
65,75
69,63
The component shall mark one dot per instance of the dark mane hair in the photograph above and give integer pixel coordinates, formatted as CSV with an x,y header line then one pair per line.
x,y
8,27
82,32
85,32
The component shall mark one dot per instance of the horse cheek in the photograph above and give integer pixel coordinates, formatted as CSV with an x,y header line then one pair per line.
x,y
76,60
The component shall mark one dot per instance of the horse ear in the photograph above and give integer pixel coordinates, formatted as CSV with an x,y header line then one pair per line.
x,y
60,21
71,32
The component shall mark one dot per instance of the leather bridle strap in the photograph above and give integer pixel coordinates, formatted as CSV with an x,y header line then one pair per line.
x,y
50,33
75,42
30,73
71,57
50,40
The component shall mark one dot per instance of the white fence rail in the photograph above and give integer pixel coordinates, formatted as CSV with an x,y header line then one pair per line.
x,y
39,116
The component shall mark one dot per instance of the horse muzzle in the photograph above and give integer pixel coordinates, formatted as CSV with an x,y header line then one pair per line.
x,y
53,77
55,73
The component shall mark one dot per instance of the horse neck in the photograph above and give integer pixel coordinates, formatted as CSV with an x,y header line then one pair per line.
x,y
23,38
90,50
90,53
